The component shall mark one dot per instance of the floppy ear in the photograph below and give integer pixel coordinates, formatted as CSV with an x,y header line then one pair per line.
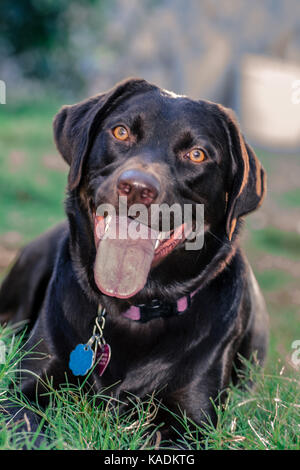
x,y
249,180
75,126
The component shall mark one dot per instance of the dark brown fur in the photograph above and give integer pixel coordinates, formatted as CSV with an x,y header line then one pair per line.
x,y
186,359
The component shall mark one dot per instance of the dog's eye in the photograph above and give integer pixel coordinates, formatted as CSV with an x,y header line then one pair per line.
x,y
120,133
196,155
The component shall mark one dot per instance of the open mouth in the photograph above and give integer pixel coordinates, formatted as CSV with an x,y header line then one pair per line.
x,y
126,251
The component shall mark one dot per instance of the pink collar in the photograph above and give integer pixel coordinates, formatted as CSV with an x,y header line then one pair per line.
x,y
155,309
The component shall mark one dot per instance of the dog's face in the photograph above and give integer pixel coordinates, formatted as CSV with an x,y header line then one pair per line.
x,y
152,147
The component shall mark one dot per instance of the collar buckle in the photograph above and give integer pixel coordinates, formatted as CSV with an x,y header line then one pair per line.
x,y
156,309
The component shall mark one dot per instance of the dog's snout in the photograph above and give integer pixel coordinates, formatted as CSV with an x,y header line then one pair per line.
x,y
139,187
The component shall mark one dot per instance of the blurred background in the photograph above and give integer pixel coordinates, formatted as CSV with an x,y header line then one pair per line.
x,y
244,54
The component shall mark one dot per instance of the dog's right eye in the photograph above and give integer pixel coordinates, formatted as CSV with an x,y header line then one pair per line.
x,y
120,133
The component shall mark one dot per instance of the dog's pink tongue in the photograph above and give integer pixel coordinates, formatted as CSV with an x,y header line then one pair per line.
x,y
123,262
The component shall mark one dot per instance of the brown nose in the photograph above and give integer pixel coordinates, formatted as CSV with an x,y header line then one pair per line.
x,y
139,187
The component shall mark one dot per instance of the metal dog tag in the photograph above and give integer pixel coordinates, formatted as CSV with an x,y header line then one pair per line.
x,y
103,357
81,359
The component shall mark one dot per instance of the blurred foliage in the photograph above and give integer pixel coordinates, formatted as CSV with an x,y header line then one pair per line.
x,y
34,24
32,185
290,198
39,36
273,279
277,242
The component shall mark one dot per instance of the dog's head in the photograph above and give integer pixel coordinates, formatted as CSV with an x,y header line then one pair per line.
x,y
151,147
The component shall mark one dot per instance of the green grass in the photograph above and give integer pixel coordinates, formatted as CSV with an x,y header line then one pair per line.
x,y
276,242
31,200
273,279
31,195
290,198
265,418
285,328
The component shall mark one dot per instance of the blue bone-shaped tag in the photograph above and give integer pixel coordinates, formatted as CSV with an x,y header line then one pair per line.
x,y
81,359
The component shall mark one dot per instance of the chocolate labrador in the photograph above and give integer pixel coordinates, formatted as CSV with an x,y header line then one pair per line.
x,y
138,315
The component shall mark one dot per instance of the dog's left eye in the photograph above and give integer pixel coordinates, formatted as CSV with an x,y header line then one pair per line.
x,y
120,133
196,155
